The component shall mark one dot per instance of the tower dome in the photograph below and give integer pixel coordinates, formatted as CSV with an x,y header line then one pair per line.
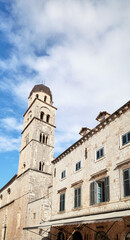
x,y
41,88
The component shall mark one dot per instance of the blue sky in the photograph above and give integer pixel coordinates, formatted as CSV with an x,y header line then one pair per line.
x,y
80,49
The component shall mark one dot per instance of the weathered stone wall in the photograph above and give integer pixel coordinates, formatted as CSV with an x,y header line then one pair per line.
x,y
108,137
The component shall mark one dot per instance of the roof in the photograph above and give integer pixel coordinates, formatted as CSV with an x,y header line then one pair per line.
x,y
8,183
41,88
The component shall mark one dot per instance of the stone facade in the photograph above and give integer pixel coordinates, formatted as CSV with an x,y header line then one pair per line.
x,y
78,195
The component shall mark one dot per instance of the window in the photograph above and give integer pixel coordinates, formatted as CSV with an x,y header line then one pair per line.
x,y
62,202
99,191
77,197
61,236
125,138
100,153
54,172
48,118
40,139
126,178
41,165
63,174
86,153
37,95
45,98
34,215
78,166
41,115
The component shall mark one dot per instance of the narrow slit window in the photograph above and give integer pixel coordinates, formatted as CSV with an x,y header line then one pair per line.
x,y
48,118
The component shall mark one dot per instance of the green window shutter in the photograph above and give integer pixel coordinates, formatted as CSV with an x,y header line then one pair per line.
x,y
126,176
107,190
93,193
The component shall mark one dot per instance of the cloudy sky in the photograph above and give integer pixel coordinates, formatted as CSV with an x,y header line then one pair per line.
x,y
79,48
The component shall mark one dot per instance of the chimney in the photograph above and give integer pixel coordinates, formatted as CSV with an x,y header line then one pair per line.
x,y
84,131
102,116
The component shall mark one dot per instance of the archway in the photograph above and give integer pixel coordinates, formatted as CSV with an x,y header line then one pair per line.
x,y
77,236
127,236
101,236
60,236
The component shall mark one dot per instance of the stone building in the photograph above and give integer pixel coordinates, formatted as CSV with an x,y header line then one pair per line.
x,y
82,194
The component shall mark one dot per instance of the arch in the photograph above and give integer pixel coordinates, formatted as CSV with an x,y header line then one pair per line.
x,y
127,236
61,236
45,98
77,236
41,115
47,118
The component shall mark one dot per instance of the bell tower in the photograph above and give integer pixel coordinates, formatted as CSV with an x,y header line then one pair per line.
x,y
37,145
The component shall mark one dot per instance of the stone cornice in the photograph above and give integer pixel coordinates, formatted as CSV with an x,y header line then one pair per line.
x,y
40,101
35,141
100,126
38,120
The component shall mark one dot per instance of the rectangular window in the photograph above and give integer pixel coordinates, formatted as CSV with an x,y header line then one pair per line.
x,y
99,191
78,166
125,138
126,178
62,202
100,153
63,174
77,197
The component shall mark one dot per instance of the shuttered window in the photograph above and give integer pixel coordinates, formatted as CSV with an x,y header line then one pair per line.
x,y
99,191
62,202
77,197
126,178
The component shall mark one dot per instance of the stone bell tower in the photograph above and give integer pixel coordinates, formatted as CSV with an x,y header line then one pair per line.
x,y
37,144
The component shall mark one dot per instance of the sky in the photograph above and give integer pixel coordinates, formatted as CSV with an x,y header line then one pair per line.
x,y
80,49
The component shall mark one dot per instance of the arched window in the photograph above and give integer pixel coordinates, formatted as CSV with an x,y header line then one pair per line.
x,y
127,236
37,95
41,115
46,139
43,138
77,236
45,98
48,118
61,236
40,139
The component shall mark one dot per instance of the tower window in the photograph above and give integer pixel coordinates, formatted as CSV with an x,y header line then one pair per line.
x,y
40,137
41,164
37,95
45,98
41,115
48,118
46,139
43,138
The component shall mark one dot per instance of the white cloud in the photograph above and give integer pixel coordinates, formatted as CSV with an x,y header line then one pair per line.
x,y
9,144
11,124
81,49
